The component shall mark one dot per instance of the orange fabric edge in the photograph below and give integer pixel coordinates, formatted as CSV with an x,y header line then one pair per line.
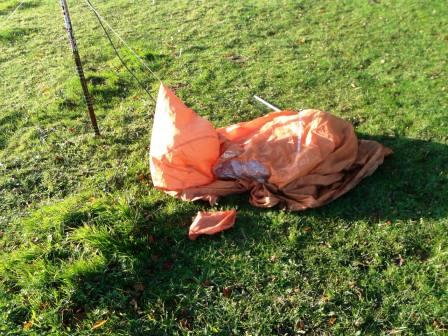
x,y
210,223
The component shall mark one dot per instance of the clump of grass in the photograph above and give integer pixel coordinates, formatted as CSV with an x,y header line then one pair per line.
x,y
13,35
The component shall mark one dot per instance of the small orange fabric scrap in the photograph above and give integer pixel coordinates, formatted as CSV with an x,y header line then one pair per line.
x,y
184,146
211,222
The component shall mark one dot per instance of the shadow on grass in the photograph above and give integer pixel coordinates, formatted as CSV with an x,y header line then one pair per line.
x,y
411,184
149,265
158,270
15,34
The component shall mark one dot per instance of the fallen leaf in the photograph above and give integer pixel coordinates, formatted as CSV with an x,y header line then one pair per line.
x,y
332,320
151,316
27,325
134,304
280,299
439,325
44,305
300,325
185,324
98,324
139,287
141,177
227,292
155,257
307,229
206,283
324,299
399,260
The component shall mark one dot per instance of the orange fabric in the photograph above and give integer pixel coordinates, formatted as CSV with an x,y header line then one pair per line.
x,y
211,222
282,158
184,146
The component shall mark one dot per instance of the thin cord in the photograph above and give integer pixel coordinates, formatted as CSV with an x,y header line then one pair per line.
x,y
100,18
124,64
14,11
121,59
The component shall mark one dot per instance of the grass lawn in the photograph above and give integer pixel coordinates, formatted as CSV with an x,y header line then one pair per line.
x,y
88,247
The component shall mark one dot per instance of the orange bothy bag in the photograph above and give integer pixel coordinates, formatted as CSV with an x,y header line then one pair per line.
x,y
295,159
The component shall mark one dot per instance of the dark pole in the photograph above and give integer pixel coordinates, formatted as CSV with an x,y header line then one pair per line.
x,y
85,89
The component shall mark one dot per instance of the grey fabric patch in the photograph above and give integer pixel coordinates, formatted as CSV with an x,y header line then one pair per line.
x,y
247,170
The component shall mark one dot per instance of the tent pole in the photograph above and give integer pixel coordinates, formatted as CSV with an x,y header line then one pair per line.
x,y
79,69
264,102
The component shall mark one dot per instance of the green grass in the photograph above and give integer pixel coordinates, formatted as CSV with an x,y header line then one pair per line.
x,y
85,238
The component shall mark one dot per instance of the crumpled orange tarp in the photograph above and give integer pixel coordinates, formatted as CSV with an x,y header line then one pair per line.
x,y
211,222
298,160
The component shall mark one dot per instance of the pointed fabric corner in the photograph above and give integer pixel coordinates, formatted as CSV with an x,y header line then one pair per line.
x,y
184,146
209,223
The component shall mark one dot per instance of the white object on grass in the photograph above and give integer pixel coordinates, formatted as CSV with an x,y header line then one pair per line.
x,y
264,102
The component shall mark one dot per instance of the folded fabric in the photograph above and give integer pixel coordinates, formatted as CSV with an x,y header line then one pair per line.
x,y
211,222
298,160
